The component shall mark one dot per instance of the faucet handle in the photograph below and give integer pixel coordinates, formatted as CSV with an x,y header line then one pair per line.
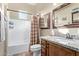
x,y
67,35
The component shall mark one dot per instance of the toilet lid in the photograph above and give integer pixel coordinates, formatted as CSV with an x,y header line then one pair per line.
x,y
36,46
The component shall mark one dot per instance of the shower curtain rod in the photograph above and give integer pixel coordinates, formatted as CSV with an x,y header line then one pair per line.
x,y
18,11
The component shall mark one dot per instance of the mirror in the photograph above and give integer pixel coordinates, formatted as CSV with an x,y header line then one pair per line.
x,y
61,15
75,15
45,21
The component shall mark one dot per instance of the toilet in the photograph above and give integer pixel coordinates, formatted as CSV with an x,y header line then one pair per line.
x,y
36,49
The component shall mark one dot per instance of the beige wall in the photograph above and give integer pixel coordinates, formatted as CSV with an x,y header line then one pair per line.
x,y
45,32
3,40
2,51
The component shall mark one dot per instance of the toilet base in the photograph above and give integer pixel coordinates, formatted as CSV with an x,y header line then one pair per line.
x,y
37,53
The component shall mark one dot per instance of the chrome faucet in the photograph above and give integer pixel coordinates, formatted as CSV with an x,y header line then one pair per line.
x,y
68,36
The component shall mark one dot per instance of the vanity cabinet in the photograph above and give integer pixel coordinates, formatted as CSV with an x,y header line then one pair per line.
x,y
52,49
61,51
77,53
43,47
56,50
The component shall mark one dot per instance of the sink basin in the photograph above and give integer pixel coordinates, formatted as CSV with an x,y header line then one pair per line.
x,y
73,43
65,41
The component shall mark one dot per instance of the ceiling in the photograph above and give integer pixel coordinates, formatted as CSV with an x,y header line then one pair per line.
x,y
41,6
31,7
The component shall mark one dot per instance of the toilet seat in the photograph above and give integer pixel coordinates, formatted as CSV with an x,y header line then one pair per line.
x,y
36,47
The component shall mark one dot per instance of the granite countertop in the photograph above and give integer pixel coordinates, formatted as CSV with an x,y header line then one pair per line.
x,y
68,43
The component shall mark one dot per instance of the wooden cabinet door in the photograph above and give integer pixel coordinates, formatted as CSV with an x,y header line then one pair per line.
x,y
43,47
62,51
54,49
51,49
57,50
77,53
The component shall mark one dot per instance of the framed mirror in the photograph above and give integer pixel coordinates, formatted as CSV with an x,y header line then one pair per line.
x,y
75,16
60,17
45,21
